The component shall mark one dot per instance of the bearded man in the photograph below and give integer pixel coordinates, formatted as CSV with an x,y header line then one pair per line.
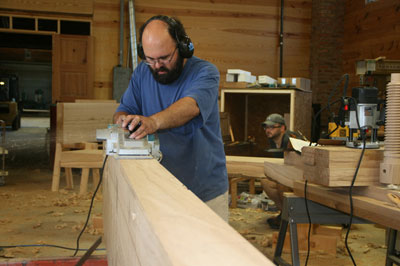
x,y
175,95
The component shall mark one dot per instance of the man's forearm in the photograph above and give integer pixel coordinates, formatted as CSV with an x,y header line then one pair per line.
x,y
177,114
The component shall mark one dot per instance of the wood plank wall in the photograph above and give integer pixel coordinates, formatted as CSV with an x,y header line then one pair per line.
x,y
241,34
82,7
230,34
371,30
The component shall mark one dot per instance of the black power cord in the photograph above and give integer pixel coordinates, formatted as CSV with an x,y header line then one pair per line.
x,y
350,188
346,77
87,220
353,181
309,222
305,184
45,245
91,206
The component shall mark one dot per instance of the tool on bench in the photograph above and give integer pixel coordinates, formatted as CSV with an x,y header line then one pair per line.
x,y
366,114
362,111
121,146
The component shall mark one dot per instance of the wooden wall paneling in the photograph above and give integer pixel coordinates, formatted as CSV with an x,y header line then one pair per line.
x,y
84,7
230,34
72,67
106,33
296,42
235,34
160,222
371,30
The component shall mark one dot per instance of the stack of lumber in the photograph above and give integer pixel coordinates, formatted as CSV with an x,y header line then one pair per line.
x,y
331,166
335,166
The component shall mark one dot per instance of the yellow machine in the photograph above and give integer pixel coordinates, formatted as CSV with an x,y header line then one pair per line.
x,y
10,115
9,111
340,133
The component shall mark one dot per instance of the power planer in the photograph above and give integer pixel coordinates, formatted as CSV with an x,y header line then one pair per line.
x,y
121,146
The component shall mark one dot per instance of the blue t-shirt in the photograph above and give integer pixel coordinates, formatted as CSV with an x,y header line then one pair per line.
x,y
194,152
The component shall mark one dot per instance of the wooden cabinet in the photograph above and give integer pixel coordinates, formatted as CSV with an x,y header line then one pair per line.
x,y
248,108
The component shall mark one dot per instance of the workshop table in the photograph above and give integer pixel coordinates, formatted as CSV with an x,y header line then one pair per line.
x,y
370,203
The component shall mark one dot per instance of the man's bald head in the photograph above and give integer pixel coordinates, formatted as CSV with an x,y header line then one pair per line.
x,y
161,46
156,39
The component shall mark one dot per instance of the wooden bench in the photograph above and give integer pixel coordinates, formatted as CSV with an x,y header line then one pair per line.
x,y
76,144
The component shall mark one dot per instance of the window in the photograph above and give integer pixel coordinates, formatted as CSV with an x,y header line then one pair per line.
x,y
23,23
75,27
50,25
4,22
47,25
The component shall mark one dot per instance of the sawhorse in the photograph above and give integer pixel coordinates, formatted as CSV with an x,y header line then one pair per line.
x,y
392,254
294,212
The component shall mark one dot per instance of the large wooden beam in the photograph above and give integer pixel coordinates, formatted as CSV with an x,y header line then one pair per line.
x,y
150,218
369,203
246,166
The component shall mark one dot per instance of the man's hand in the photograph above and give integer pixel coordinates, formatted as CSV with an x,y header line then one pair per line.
x,y
177,114
148,125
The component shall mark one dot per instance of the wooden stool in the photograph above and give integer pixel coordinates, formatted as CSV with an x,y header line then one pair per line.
x,y
233,180
85,159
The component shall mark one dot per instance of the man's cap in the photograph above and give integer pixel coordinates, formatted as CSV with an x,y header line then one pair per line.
x,y
273,119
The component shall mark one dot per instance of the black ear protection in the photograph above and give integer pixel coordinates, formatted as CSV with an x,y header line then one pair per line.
x,y
176,30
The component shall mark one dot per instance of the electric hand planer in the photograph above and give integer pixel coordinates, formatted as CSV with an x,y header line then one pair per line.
x,y
121,146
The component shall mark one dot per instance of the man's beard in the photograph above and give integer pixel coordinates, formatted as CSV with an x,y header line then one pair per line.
x,y
171,75
273,135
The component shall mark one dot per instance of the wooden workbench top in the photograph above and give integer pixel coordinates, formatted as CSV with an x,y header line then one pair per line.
x,y
247,166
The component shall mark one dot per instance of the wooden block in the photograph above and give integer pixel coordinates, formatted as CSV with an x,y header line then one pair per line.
x,y
308,155
335,165
321,242
328,230
324,243
338,177
303,84
292,158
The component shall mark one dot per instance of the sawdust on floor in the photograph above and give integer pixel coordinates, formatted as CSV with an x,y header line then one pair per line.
x,y
366,241
30,214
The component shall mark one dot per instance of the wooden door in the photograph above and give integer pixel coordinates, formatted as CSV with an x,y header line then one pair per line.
x,y
72,68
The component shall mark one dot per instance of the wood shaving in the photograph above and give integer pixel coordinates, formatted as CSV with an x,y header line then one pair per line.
x,y
60,226
37,225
